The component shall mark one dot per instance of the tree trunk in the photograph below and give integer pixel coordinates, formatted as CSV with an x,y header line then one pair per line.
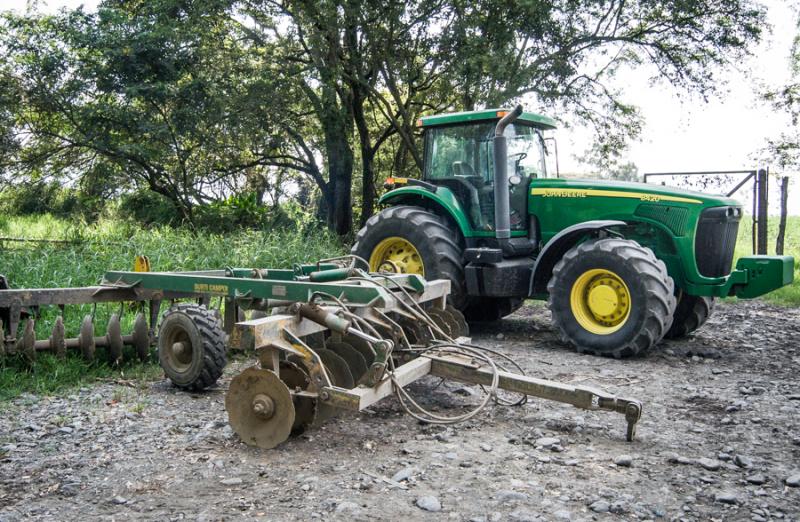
x,y
368,192
782,224
340,176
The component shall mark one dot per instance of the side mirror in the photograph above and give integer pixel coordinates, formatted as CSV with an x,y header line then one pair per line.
x,y
514,179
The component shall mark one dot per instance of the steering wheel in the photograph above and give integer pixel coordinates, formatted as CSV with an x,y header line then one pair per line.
x,y
519,156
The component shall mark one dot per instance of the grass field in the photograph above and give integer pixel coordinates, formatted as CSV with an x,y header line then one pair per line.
x,y
112,246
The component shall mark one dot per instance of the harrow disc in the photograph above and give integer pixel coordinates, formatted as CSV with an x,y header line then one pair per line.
x,y
305,408
444,321
416,332
322,411
337,369
355,361
86,338
141,337
362,347
58,342
27,343
114,336
459,319
260,408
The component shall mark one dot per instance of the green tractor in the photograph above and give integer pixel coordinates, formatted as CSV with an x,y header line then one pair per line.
x,y
622,265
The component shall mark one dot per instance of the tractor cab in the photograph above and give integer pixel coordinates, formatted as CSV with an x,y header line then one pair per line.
x,y
459,155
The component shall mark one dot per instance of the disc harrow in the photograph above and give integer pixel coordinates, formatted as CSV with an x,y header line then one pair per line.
x,y
86,342
328,337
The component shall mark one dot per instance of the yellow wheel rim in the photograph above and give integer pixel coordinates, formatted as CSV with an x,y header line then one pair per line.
x,y
600,301
396,253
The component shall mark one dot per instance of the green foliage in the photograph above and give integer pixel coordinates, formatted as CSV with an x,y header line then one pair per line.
x,y
148,208
201,101
785,148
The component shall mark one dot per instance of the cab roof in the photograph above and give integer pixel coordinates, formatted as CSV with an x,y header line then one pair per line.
x,y
454,118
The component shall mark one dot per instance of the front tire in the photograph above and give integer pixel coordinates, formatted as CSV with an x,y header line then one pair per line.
x,y
414,240
691,313
611,297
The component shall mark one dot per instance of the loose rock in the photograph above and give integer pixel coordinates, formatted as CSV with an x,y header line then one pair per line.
x,y
726,497
709,464
624,461
429,503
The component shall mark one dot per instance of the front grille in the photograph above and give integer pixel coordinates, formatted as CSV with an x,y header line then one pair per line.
x,y
673,217
716,239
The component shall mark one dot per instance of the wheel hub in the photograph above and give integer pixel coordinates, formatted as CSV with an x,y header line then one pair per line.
x,y
603,300
179,348
263,406
600,301
396,252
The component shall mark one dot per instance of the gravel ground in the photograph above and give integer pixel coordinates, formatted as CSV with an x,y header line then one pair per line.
x,y
719,439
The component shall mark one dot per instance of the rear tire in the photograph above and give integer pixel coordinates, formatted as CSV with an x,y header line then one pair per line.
x,y
627,275
437,244
191,346
691,313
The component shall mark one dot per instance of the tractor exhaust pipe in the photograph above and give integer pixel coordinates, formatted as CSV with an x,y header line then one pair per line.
x,y
502,207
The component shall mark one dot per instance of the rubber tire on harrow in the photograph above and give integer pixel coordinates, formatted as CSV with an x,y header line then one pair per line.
x,y
691,313
437,244
652,302
202,329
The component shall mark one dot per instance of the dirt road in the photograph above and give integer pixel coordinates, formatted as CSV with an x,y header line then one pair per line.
x,y
719,439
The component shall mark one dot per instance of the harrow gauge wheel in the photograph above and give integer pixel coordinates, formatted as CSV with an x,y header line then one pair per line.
x,y
191,346
260,408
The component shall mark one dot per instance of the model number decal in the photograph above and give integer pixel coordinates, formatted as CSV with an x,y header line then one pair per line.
x,y
557,193
205,288
583,193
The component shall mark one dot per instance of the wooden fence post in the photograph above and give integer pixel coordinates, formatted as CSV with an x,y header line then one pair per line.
x,y
784,211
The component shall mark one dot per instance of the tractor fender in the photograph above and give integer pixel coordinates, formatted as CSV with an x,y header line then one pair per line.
x,y
442,200
555,249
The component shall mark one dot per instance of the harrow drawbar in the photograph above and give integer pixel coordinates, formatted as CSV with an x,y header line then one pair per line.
x,y
328,337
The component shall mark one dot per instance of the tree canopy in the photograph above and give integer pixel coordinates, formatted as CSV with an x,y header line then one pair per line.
x,y
199,100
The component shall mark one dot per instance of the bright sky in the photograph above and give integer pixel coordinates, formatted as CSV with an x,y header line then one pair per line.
x,y
680,134
727,133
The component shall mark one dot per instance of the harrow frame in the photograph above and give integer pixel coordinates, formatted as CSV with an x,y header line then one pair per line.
x,y
402,325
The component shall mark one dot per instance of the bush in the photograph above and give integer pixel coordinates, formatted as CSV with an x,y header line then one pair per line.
x,y
147,208
50,198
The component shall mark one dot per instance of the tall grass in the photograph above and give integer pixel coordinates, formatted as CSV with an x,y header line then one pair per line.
x,y
110,245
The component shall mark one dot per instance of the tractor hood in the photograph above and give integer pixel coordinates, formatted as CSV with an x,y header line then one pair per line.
x,y
584,188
